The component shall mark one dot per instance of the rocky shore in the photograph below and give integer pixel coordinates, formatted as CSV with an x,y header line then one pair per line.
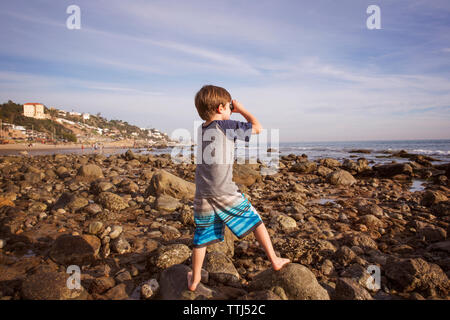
x,y
127,222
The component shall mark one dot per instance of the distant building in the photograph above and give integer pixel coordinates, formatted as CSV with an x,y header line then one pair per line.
x,y
73,113
86,116
34,110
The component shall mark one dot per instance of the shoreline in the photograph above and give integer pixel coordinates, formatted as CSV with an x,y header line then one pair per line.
x,y
42,146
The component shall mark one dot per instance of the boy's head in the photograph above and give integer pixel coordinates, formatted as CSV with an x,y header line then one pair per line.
x,y
211,100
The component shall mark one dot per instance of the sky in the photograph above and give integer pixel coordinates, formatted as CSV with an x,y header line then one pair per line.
x,y
312,70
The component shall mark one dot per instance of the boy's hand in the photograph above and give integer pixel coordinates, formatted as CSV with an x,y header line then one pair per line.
x,y
238,107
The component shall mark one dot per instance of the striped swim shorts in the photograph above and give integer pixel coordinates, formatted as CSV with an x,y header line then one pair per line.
x,y
212,214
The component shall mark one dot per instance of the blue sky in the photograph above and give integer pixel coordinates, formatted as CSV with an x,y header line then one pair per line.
x,y
311,69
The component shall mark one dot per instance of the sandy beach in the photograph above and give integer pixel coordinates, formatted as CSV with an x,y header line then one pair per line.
x,y
42,146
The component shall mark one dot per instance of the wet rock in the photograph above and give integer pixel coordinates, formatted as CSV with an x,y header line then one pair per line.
x,y
298,282
112,201
348,289
77,250
166,183
341,177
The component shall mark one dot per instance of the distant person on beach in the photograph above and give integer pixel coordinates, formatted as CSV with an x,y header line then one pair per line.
x,y
218,201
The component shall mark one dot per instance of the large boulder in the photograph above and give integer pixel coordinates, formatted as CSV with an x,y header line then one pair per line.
x,y
304,167
341,177
245,174
48,285
227,246
297,281
390,170
433,197
164,182
89,172
330,163
173,286
77,250
221,268
417,274
349,289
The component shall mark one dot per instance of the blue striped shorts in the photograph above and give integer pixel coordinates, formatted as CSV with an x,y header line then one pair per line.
x,y
212,214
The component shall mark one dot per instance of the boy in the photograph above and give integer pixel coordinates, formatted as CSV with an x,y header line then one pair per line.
x,y
217,200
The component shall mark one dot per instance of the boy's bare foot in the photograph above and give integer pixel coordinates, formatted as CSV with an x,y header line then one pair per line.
x,y
279,263
191,285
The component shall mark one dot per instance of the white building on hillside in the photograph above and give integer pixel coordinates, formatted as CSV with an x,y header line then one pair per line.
x,y
34,110
86,116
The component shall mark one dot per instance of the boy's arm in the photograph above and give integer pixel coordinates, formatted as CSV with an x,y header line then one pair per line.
x,y
239,108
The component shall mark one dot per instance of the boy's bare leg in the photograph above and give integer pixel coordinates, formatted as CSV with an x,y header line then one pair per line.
x,y
194,277
263,238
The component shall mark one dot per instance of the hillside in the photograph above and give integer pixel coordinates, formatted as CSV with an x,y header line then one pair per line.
x,y
65,126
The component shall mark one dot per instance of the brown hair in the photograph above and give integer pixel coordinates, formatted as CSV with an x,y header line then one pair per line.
x,y
208,98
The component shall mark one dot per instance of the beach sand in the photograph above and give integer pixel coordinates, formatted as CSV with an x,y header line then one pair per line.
x,y
41,146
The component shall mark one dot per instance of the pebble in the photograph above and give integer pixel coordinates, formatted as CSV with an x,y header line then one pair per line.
x,y
116,231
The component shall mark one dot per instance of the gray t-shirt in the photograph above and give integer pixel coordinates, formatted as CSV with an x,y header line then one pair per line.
x,y
215,157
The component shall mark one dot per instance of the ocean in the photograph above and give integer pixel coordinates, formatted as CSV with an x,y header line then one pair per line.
x,y
379,150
